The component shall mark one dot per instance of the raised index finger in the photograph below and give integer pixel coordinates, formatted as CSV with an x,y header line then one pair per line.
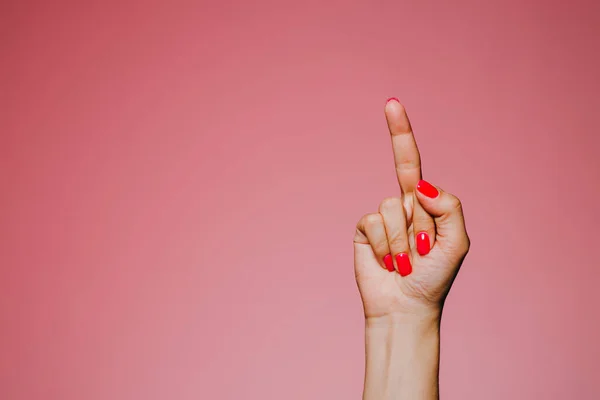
x,y
406,152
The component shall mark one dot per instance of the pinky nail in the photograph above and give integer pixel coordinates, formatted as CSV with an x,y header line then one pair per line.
x,y
389,263
404,267
392,98
423,244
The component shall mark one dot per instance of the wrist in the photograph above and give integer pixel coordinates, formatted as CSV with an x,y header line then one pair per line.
x,y
421,318
402,356
408,331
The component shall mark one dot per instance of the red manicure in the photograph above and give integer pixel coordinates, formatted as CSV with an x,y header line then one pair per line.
x,y
427,189
423,245
389,263
404,267
392,98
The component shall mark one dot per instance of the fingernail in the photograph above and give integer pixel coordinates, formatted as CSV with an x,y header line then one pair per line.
x,y
389,263
404,267
427,189
423,245
392,98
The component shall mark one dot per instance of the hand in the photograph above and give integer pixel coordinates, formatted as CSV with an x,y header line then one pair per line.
x,y
407,255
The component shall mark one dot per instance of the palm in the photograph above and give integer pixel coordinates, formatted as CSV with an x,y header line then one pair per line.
x,y
385,293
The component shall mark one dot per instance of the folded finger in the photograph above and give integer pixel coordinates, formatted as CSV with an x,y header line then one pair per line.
x,y
372,228
397,236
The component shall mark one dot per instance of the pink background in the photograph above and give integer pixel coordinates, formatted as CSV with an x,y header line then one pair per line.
x,y
180,184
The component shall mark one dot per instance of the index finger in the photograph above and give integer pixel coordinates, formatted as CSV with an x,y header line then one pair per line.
x,y
406,153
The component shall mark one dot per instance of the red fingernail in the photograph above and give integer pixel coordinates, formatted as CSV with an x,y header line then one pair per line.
x,y
404,267
392,98
427,189
423,245
389,263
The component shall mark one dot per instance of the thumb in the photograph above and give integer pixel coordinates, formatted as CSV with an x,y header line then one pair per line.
x,y
446,209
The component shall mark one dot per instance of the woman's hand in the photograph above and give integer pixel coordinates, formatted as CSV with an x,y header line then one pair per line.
x,y
407,254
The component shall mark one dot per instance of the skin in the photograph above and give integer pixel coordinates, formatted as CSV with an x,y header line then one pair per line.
x,y
403,314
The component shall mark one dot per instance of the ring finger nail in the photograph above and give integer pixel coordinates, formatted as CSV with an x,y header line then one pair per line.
x,y
423,244
404,267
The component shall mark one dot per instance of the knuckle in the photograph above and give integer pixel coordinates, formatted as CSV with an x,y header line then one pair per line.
x,y
467,244
422,221
390,202
360,225
380,248
461,246
407,164
454,202
398,242
371,220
